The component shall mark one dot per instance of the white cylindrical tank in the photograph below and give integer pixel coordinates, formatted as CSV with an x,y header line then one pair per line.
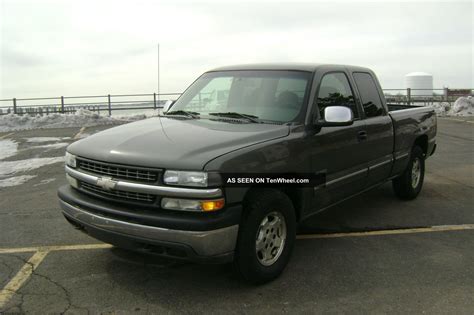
x,y
419,82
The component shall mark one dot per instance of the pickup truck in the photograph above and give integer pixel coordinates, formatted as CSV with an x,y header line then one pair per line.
x,y
164,185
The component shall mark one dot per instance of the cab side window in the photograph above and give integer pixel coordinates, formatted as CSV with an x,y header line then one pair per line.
x,y
335,90
369,94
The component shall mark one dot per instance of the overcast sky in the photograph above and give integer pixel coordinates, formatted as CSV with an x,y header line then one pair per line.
x,y
51,48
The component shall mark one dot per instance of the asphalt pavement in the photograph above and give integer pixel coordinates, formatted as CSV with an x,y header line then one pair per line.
x,y
383,255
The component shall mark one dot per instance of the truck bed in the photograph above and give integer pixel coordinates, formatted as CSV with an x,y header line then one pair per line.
x,y
411,123
395,107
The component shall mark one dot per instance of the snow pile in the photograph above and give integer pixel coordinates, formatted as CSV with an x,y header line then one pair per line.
x,y
464,106
80,118
441,108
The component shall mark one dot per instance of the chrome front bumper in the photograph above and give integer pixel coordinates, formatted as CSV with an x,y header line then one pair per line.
x,y
204,243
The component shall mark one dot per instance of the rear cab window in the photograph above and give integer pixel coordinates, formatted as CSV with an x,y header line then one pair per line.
x,y
369,94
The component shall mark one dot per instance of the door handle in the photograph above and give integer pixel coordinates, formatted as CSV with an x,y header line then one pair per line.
x,y
362,135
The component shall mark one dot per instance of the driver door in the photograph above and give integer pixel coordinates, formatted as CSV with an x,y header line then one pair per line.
x,y
338,152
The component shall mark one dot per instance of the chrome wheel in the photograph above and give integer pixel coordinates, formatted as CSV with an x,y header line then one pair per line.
x,y
415,173
270,239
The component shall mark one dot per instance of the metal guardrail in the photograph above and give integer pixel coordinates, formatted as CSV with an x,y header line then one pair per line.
x,y
96,103
425,96
152,101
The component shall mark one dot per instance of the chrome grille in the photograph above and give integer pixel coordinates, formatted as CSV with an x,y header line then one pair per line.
x,y
118,171
120,194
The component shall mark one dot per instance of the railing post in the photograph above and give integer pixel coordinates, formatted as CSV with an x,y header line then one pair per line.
x,y
408,96
446,93
14,105
62,104
110,106
154,100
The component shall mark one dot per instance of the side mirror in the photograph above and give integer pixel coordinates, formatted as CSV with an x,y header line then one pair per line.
x,y
167,105
336,116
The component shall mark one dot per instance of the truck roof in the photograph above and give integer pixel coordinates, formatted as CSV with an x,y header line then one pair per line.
x,y
310,67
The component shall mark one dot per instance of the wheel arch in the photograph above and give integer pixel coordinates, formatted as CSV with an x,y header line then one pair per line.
x,y
422,142
296,195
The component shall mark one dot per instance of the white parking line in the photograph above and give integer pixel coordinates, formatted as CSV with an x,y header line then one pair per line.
x,y
53,248
79,134
24,274
437,228
460,120
7,135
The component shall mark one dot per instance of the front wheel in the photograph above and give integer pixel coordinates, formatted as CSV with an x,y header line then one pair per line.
x,y
409,184
266,236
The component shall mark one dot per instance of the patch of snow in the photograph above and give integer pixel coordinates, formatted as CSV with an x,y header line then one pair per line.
x,y
441,108
52,145
80,118
8,148
8,168
463,106
45,181
15,181
45,139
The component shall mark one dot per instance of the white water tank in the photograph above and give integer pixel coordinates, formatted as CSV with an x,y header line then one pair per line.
x,y
419,82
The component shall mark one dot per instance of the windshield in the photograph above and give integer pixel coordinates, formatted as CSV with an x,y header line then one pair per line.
x,y
276,96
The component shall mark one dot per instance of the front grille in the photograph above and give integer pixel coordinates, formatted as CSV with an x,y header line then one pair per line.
x,y
118,171
118,194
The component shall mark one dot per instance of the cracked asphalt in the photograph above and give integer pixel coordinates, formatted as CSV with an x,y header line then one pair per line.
x,y
429,272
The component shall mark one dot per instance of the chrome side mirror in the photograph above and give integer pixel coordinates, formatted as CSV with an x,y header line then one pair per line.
x,y
337,116
167,105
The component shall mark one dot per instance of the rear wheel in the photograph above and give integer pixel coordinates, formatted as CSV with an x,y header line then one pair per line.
x,y
409,184
266,236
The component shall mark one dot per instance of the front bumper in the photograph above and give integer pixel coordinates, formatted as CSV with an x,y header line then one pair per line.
x,y
201,239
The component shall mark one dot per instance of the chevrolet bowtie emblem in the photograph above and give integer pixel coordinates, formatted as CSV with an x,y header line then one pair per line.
x,y
106,183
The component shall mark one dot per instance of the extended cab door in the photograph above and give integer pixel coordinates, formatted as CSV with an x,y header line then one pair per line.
x,y
378,147
337,151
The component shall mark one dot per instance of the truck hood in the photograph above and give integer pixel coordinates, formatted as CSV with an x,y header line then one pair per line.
x,y
173,143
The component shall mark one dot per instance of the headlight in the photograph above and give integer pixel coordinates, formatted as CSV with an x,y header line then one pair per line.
x,y
192,205
70,159
184,178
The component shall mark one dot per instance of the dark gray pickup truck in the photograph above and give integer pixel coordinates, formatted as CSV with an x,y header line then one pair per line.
x,y
189,185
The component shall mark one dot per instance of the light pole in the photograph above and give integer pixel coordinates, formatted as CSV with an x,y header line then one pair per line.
x,y
158,73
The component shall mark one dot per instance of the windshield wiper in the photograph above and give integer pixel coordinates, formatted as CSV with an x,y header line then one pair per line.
x,y
183,113
251,118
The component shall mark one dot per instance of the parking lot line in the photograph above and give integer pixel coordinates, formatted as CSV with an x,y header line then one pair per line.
x,y
17,281
79,134
7,135
53,248
460,120
437,228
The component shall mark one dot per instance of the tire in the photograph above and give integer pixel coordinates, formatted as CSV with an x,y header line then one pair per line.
x,y
408,185
268,216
